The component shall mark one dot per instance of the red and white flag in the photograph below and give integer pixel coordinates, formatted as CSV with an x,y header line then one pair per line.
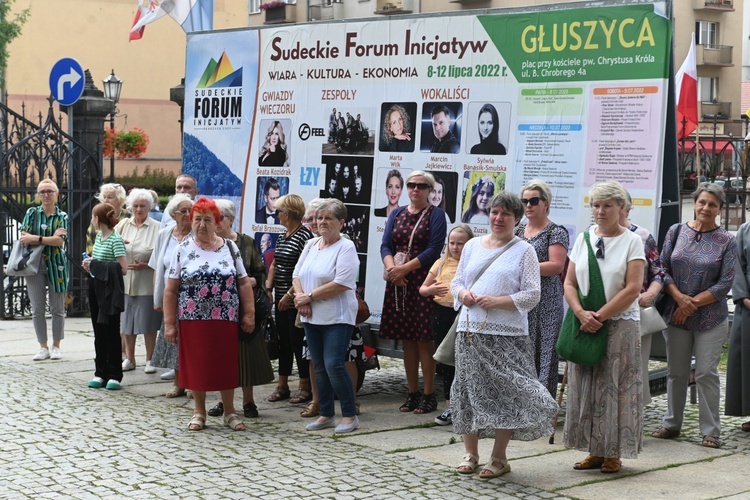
x,y
192,15
686,88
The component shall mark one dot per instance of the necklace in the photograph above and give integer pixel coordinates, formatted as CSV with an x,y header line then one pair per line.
x,y
209,247
289,234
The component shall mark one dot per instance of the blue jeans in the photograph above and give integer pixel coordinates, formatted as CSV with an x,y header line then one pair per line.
x,y
328,345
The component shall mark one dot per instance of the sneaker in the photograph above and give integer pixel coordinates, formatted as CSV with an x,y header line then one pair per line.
x,y
42,354
55,353
127,365
96,383
445,418
113,385
168,375
149,368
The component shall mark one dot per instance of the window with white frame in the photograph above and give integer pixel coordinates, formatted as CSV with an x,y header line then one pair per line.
x,y
708,88
708,33
253,6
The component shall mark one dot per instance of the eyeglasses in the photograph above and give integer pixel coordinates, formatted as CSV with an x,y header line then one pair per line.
x,y
420,185
531,201
600,248
280,211
183,211
46,192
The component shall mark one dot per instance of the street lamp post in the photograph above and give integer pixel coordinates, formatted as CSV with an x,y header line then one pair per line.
x,y
112,89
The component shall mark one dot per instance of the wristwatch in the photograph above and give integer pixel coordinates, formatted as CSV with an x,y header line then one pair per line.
x,y
40,239
309,294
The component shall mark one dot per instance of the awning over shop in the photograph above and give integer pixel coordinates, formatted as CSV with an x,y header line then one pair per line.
x,y
707,146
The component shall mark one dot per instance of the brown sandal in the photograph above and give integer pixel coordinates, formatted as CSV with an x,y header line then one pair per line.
x,y
745,426
176,392
281,393
664,433
303,396
588,463
611,465
312,410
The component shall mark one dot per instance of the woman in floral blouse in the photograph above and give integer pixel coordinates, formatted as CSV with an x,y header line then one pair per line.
x,y
206,284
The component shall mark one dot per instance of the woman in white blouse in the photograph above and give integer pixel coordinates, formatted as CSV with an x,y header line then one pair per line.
x,y
324,281
496,392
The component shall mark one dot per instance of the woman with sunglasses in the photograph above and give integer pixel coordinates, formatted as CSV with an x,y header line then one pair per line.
x,y
604,408
699,259
551,243
47,225
418,230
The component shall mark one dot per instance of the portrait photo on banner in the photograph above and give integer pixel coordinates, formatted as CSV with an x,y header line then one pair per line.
x,y
488,128
479,188
274,140
398,127
268,190
445,193
441,127
348,178
390,190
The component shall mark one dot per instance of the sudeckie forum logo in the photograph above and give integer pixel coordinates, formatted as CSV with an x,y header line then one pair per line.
x,y
218,96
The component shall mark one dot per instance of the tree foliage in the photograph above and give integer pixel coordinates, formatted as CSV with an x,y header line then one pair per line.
x,y
10,29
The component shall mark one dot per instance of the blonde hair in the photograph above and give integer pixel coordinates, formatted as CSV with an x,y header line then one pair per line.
x,y
462,228
293,204
542,187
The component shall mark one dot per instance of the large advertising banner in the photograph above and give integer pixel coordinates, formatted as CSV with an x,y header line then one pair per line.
x,y
483,102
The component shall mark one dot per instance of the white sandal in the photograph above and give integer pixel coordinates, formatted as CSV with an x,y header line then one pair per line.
x,y
495,471
233,422
470,461
197,423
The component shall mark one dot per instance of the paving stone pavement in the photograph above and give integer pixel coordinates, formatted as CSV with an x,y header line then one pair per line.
x,y
59,438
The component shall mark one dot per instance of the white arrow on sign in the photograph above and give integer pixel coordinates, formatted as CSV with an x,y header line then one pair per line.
x,y
71,79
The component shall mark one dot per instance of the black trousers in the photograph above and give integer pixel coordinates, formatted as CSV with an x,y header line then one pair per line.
x,y
290,343
107,342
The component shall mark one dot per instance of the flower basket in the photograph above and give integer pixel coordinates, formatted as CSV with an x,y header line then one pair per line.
x,y
272,5
123,145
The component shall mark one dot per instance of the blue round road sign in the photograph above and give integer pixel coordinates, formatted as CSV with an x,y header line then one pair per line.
x,y
66,81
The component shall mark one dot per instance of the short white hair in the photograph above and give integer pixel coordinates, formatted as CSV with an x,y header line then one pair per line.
x,y
175,201
139,194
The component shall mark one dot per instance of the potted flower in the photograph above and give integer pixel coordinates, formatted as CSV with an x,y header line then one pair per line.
x,y
275,4
123,145
275,12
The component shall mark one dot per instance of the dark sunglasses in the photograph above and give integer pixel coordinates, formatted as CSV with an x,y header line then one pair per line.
x,y
531,201
600,248
421,185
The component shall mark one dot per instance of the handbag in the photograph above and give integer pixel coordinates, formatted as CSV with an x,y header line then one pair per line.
x,y
24,260
583,348
271,337
446,352
363,310
651,321
660,304
262,305
401,258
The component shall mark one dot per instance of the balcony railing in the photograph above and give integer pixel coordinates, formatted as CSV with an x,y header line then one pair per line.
x,y
391,7
714,55
718,110
321,10
722,5
280,15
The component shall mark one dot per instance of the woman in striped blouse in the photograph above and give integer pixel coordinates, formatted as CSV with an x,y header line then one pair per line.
x,y
47,225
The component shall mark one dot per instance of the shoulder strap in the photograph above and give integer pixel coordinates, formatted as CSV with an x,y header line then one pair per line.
x,y
595,274
512,242
408,250
231,249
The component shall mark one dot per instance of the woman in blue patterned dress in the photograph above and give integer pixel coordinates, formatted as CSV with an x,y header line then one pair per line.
x,y
551,243
206,292
699,259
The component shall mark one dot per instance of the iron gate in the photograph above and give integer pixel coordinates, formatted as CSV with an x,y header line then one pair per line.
x,y
30,152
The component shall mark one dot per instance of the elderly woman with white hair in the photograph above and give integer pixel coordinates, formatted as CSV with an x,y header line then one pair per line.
x,y
417,231
139,233
165,353
551,243
604,408
115,195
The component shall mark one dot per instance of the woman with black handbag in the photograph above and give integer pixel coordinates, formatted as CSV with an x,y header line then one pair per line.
x,y
47,225
255,366
604,408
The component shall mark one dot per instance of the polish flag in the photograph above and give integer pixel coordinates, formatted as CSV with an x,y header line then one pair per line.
x,y
192,15
686,87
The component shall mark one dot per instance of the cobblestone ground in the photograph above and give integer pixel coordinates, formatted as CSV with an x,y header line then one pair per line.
x,y
61,439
